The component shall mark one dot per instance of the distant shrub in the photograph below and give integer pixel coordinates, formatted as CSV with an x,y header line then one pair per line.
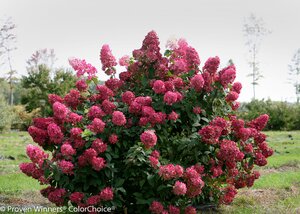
x,y
283,115
22,118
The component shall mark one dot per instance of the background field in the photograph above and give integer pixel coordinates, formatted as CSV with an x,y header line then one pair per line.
x,y
277,191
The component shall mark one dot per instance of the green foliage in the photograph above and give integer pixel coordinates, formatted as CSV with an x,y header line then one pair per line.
x,y
22,118
283,115
17,90
6,114
41,82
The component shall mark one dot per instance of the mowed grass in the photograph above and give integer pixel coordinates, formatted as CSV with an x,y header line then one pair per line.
x,y
286,146
277,190
15,187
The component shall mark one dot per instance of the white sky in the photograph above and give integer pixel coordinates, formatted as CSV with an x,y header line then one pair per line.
x,y
214,27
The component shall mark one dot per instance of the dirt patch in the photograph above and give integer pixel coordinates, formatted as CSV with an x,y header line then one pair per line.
x,y
291,166
269,197
25,199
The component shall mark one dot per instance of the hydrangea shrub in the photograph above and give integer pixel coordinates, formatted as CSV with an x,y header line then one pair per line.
x,y
161,138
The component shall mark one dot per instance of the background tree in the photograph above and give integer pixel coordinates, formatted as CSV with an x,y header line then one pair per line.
x,y
7,46
5,90
254,30
43,79
294,73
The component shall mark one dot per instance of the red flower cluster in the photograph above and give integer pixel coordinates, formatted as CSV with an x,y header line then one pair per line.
x,y
148,138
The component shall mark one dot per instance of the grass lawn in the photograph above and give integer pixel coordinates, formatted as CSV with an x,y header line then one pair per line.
x,y
15,187
277,191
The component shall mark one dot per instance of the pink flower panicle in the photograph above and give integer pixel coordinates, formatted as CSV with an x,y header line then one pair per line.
x,y
76,197
60,111
179,188
104,92
173,116
95,112
67,150
173,210
52,98
114,84
197,82
97,125
159,87
222,123
30,169
55,134
170,171
232,96
197,110
107,194
118,118
153,162
192,58
38,135
73,98
148,138
237,87
227,76
124,61
229,152
74,118
170,98
99,146
210,134
98,163
107,59
82,67
128,97
57,196
113,138
156,207
35,154
93,200
81,85
66,167
190,210
212,65
108,106
229,193
260,122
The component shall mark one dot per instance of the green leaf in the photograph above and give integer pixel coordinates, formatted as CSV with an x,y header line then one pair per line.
x,y
205,119
142,182
144,201
119,182
108,156
196,124
162,187
121,189
168,53
251,161
150,179
86,133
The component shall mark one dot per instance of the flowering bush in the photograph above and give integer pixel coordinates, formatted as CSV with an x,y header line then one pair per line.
x,y
163,137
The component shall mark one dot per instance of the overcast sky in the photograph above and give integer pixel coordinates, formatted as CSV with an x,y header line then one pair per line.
x,y
213,27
